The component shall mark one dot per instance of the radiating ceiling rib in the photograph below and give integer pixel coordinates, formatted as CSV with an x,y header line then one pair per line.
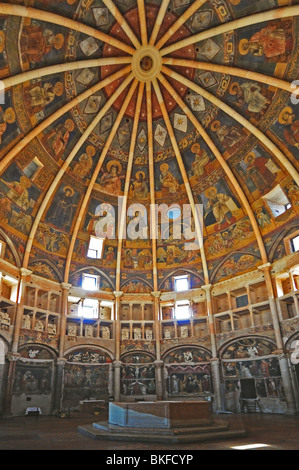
x,y
142,21
223,164
158,22
66,164
122,22
96,173
150,140
40,15
57,114
239,118
180,21
60,68
198,227
123,214
250,20
231,70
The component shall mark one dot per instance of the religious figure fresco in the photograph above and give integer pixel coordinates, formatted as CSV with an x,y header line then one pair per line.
x,y
258,171
7,117
139,187
84,164
290,123
201,159
39,95
111,179
58,138
168,182
250,96
18,189
219,208
38,42
273,42
32,380
228,135
63,208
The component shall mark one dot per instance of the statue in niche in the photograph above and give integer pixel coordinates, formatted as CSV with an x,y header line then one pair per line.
x,y
72,330
26,322
125,334
148,335
39,326
184,332
105,332
167,334
137,333
52,330
4,318
89,331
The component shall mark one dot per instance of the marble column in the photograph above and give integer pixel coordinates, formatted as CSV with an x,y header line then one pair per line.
x,y
159,379
215,363
58,392
117,295
64,311
117,377
24,274
12,363
284,366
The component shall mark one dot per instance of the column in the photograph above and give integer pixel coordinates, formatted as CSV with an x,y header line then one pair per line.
x,y
159,379
24,273
12,360
58,392
215,363
157,333
117,377
117,362
64,311
284,367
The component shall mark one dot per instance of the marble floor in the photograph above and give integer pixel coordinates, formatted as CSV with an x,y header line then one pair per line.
x,y
274,432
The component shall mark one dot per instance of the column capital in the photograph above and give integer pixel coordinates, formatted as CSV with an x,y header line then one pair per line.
x,y
158,364
265,267
13,357
117,364
206,287
60,361
66,285
117,293
25,272
156,294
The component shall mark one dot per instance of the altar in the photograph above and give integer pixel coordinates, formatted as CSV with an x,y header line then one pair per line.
x,y
161,421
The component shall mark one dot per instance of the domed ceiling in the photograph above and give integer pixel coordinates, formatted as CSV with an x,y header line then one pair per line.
x,y
162,102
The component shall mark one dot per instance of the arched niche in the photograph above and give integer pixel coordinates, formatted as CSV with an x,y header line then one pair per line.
x,y
87,376
188,373
137,375
251,371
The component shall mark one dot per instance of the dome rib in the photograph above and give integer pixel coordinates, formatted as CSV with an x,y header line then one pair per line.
x,y
223,164
176,149
239,118
277,13
231,70
180,21
142,21
60,112
159,21
127,183
34,13
66,164
122,22
83,206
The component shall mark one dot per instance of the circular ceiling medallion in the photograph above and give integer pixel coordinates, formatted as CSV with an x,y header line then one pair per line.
x,y
146,63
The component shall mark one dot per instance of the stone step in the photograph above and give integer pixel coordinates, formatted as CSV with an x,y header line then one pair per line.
x,y
105,426
126,435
